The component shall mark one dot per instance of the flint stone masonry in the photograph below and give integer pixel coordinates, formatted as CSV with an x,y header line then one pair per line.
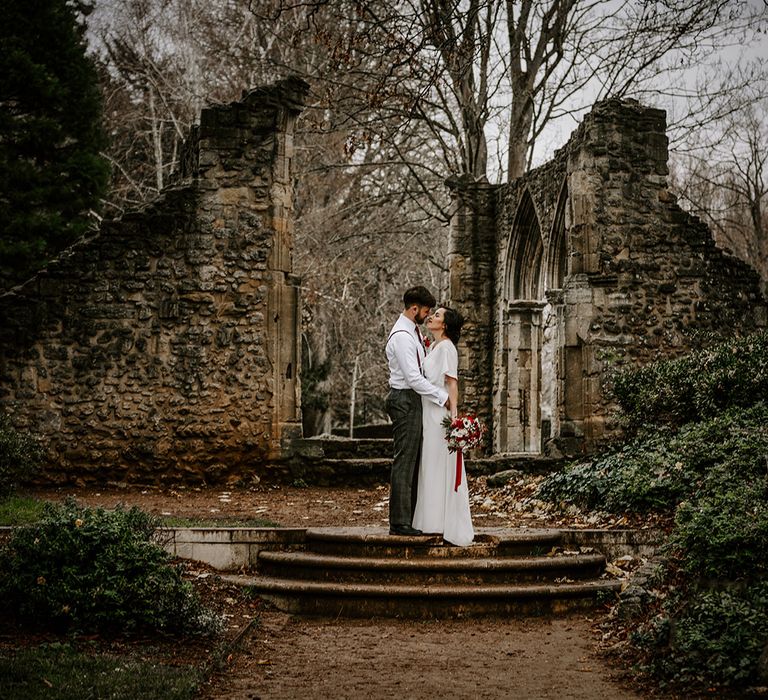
x,y
165,347
582,267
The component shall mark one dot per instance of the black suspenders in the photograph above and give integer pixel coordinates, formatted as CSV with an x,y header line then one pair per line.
x,y
418,354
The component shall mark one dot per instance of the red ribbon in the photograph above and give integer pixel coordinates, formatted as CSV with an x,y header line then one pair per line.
x,y
459,459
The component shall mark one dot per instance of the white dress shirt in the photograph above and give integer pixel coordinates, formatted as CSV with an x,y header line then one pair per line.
x,y
405,355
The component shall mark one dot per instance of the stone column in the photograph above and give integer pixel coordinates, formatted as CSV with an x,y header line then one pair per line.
x,y
471,284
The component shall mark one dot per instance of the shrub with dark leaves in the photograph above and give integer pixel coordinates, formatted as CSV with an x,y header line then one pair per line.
x,y
20,456
697,386
96,570
709,637
659,468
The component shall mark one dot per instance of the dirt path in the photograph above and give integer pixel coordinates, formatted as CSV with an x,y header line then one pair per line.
x,y
293,657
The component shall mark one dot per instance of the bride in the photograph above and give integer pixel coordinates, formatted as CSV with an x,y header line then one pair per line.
x,y
440,508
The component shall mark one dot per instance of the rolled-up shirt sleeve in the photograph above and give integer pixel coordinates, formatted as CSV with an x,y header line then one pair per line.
x,y
405,354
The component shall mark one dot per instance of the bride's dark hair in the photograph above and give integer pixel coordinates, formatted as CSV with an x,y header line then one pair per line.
x,y
453,322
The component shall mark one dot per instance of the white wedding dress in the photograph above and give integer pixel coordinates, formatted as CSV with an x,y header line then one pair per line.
x,y
439,508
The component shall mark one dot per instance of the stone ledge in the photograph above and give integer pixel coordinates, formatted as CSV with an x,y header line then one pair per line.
x,y
617,543
227,548
232,548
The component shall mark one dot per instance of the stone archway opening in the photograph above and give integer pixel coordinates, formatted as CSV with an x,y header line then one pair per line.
x,y
532,329
553,331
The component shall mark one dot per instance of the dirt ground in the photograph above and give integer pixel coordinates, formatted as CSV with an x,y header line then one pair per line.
x,y
292,657
285,656
289,506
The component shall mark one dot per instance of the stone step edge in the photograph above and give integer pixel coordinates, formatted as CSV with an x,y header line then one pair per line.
x,y
351,461
389,590
381,536
473,564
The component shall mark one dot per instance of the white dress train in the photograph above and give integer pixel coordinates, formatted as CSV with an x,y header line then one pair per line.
x,y
439,508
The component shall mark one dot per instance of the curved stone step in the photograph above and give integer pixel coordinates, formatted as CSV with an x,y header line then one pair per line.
x,y
428,570
377,542
428,601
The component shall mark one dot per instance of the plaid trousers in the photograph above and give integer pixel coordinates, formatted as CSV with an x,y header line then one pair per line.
x,y
404,408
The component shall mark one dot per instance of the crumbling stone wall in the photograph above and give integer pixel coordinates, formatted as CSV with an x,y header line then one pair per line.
x,y
595,268
165,347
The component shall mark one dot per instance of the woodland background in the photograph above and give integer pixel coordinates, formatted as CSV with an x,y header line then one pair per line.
x,y
404,94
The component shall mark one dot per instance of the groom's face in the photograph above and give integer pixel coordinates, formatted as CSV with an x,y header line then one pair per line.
x,y
422,313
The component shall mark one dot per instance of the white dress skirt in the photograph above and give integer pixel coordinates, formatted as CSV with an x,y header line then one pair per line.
x,y
440,508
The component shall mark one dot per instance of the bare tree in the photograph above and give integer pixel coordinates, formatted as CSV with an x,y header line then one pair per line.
x,y
725,182
465,65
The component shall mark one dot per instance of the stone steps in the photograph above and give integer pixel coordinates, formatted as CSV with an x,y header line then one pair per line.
x,y
377,542
334,461
347,472
327,461
345,448
430,601
358,572
427,570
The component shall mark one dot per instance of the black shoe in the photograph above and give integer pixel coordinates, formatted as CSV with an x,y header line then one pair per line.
x,y
404,530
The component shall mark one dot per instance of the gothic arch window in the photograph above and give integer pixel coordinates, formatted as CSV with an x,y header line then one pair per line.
x,y
525,253
557,255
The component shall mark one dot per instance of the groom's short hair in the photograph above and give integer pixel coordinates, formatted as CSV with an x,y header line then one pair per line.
x,y
418,295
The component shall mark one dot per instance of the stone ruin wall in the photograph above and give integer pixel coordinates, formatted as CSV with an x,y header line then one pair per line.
x,y
471,274
655,277
165,347
641,277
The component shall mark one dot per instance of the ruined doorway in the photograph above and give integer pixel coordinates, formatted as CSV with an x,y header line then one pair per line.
x,y
532,392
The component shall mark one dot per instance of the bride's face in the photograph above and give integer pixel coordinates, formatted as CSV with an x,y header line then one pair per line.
x,y
435,322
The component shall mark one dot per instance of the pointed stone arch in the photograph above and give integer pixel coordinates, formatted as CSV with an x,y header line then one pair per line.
x,y
526,251
533,327
557,250
553,322
519,408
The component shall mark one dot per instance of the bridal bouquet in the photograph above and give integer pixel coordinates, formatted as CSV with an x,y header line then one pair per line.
x,y
463,432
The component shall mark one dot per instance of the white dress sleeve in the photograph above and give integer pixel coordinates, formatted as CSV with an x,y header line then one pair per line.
x,y
449,361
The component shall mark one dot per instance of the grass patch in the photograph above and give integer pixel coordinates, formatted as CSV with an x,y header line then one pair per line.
x,y
25,510
57,670
20,510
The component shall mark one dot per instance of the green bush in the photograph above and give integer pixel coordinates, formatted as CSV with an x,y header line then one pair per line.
x,y
659,468
20,456
696,386
722,532
641,476
96,570
712,637
698,449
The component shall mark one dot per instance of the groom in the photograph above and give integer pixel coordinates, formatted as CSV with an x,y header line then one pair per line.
x,y
407,384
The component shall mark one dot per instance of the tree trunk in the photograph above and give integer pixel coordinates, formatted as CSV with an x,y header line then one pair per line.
x,y
352,397
157,141
519,131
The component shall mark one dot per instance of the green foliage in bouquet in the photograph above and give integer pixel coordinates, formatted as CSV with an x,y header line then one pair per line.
x,y
97,570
